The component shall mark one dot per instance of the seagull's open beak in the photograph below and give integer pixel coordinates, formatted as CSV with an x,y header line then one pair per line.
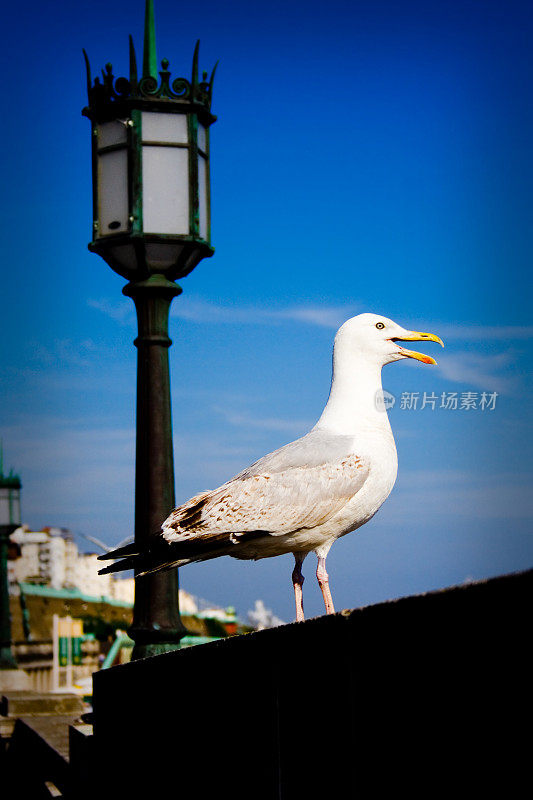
x,y
416,336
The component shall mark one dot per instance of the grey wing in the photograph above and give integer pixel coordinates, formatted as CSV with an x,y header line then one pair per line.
x,y
276,503
312,450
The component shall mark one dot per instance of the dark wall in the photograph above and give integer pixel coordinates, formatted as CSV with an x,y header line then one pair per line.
x,y
427,694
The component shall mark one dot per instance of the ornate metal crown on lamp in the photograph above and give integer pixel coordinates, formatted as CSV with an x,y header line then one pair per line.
x,y
151,223
150,155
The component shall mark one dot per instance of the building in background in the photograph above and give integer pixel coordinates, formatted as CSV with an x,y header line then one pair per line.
x,y
50,557
47,579
49,576
261,617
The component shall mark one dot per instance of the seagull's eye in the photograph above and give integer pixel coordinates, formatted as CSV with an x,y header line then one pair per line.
x,y
380,326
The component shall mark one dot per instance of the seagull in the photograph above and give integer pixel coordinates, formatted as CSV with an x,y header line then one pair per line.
x,y
309,493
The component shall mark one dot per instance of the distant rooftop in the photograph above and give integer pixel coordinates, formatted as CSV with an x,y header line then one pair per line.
x,y
69,594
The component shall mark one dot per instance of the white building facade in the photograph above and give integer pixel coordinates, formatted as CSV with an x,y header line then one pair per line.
x,y
51,557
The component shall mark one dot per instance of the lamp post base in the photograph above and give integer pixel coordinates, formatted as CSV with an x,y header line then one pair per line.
x,y
153,649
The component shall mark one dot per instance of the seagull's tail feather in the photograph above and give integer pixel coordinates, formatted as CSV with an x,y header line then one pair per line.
x,y
131,549
162,555
118,566
147,564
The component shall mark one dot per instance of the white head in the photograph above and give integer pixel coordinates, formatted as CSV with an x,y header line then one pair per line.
x,y
374,338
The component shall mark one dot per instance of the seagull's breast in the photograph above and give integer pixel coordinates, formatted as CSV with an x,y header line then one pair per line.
x,y
378,450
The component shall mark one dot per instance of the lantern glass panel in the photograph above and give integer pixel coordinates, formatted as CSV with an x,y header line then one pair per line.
x,y
158,127
4,507
202,138
9,506
112,192
202,195
15,509
165,189
110,133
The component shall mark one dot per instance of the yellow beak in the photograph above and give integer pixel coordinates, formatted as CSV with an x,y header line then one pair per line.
x,y
416,336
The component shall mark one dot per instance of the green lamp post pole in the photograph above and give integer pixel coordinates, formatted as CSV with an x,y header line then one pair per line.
x,y
156,621
151,224
9,521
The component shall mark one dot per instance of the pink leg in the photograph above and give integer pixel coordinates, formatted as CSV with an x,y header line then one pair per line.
x,y
323,582
298,582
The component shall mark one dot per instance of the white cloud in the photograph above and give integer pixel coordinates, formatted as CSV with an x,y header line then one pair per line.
x,y
204,311
458,495
63,352
486,332
244,420
78,473
121,311
481,370
323,316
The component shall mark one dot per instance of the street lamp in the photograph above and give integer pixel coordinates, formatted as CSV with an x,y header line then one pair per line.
x,y
151,224
10,487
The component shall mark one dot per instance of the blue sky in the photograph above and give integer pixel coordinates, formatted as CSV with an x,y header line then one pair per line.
x,y
368,156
